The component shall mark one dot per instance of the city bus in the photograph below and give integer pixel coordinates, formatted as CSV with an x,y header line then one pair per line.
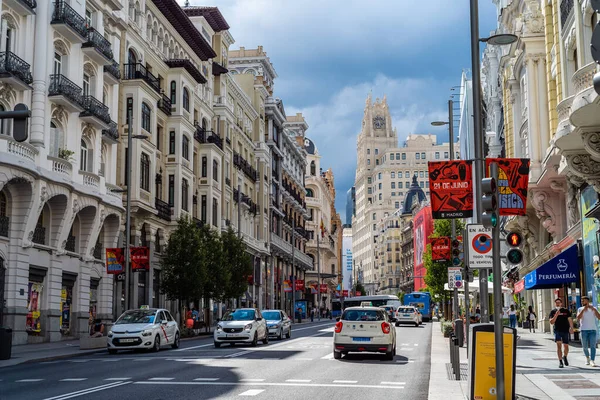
x,y
376,301
421,300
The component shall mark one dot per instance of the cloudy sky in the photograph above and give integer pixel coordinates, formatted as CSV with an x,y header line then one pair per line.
x,y
329,54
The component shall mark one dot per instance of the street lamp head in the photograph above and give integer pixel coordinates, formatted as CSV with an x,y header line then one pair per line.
x,y
501,39
439,123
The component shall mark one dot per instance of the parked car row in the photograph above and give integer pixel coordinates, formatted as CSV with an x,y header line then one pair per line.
x,y
249,325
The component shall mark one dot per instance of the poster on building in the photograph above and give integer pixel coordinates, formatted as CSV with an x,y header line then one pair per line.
x,y
115,261
299,285
422,229
440,249
451,187
323,288
34,295
589,241
140,258
65,309
513,181
287,286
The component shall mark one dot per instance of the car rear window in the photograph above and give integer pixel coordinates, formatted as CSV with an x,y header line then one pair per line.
x,y
406,310
363,315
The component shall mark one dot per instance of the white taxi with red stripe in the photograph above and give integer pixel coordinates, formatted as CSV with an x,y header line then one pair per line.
x,y
364,329
146,328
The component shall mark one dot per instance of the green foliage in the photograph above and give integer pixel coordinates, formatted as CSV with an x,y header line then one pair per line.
x,y
239,264
359,288
447,328
218,271
401,296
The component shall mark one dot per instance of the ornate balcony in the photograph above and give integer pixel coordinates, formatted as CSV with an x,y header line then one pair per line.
x,y
61,166
68,22
64,92
164,104
245,166
111,134
97,48
139,71
15,71
205,136
39,235
252,206
70,245
163,209
189,67
4,226
22,7
95,112
112,73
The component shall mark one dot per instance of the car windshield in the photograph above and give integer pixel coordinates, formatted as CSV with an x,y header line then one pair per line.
x,y
271,315
406,310
136,317
363,315
239,315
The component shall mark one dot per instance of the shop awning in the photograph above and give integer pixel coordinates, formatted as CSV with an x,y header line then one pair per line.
x,y
557,272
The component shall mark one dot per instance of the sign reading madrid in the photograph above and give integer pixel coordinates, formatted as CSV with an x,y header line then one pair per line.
x,y
480,246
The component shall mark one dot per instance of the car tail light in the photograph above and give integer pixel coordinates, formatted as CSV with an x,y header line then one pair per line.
x,y
338,326
385,327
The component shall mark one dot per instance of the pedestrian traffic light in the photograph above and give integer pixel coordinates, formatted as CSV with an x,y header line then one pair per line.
x,y
457,252
514,255
489,203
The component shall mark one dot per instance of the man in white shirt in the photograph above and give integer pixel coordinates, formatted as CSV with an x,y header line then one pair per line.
x,y
587,316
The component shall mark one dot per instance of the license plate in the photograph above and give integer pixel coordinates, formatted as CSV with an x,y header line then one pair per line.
x,y
127,340
233,335
361,339
407,315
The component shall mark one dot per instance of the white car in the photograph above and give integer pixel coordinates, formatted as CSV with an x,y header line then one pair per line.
x,y
407,315
278,323
244,325
364,329
150,328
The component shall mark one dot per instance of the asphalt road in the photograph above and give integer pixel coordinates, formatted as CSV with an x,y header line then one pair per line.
x,y
298,368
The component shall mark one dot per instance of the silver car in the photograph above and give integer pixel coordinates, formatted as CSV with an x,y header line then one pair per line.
x,y
244,325
278,323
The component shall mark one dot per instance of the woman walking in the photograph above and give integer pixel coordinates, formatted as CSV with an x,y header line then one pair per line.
x,y
512,315
531,317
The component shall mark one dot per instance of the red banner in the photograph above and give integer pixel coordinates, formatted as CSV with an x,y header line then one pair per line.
x,y
358,294
513,182
440,249
519,286
323,288
115,261
345,293
423,228
451,187
299,285
140,258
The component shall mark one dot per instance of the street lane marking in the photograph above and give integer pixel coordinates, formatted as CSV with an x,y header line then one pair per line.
x,y
262,384
195,347
161,379
393,383
87,391
241,353
302,359
298,380
252,392
142,359
310,327
50,362
29,380
416,344
207,379
327,357
251,380
73,379
117,379
345,381
80,361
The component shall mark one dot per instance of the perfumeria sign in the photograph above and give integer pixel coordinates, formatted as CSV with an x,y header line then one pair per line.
x,y
558,271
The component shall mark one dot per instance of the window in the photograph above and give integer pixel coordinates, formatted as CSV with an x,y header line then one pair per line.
x,y
369,162
377,162
158,187
417,156
171,190
374,227
215,170
146,117
374,216
57,64
421,174
391,156
368,151
184,194
9,35
445,154
145,172
437,155
380,196
186,99
407,185
369,190
185,147
83,160
379,186
159,138
173,92
404,156
88,18
422,184
393,185
129,110
309,193
4,126
203,209
397,204
86,85
379,175
423,156
204,166
172,142
376,151
393,193
369,180
427,184
393,175
215,212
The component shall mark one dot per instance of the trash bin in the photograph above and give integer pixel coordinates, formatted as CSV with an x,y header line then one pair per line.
x,y
5,343
459,331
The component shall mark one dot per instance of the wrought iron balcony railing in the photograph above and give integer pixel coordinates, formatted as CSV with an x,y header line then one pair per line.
x,y
94,108
163,208
11,64
29,3
60,85
70,245
99,42
113,69
206,136
245,166
65,14
4,226
246,200
139,71
112,131
39,235
164,104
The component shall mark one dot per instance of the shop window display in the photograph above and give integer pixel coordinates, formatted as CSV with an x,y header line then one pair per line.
x,y
34,296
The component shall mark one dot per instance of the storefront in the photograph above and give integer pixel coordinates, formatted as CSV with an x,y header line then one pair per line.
x,y
589,239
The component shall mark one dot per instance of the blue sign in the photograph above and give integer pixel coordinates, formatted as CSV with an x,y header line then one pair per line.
x,y
560,270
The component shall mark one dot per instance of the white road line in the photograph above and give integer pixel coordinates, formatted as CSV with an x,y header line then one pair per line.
x,y
416,344
50,362
302,359
195,347
393,383
28,380
406,349
207,379
87,391
345,381
73,379
161,379
328,356
252,392
117,379
298,380
241,353
80,361
251,380
262,384
142,359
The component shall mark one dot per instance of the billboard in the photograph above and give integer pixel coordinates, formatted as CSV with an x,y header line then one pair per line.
x,y
422,229
451,187
440,249
513,181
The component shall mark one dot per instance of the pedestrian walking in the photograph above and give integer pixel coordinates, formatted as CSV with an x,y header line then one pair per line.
x,y
512,316
587,316
560,317
312,315
531,317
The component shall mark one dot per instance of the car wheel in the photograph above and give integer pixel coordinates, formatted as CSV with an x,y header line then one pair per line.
x,y
156,346
337,355
112,351
417,324
397,324
389,355
255,340
175,344
217,345
266,339
280,334
289,334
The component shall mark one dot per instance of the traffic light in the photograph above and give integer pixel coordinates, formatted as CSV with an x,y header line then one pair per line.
x,y
514,255
457,252
489,203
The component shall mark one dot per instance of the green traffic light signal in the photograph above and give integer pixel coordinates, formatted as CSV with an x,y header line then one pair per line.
x,y
489,220
514,256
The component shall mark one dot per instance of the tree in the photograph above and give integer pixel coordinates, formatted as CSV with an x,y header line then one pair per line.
x,y
213,257
239,265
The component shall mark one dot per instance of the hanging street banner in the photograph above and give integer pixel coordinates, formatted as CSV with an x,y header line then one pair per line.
x,y
451,187
115,261
323,288
513,182
422,229
287,286
345,293
440,249
140,258
299,285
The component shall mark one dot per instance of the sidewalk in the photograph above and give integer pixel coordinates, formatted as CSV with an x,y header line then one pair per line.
x,y
537,377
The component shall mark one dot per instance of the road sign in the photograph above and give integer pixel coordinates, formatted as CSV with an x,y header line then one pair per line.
x,y
455,280
479,240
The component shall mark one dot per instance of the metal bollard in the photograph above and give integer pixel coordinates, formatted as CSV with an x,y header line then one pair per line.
x,y
456,360
451,342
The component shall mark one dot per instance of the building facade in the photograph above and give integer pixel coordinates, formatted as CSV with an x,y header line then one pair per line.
x,y
347,261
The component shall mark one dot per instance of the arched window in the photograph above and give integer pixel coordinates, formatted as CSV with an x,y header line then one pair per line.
x,y
145,172
185,147
309,193
173,92
184,194
186,99
131,57
83,160
313,168
57,140
146,117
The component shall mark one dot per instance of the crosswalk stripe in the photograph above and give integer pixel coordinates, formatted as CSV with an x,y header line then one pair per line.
x,y
327,357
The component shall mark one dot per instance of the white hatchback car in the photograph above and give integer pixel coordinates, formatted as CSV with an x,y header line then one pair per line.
x,y
364,329
244,325
143,329
407,315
